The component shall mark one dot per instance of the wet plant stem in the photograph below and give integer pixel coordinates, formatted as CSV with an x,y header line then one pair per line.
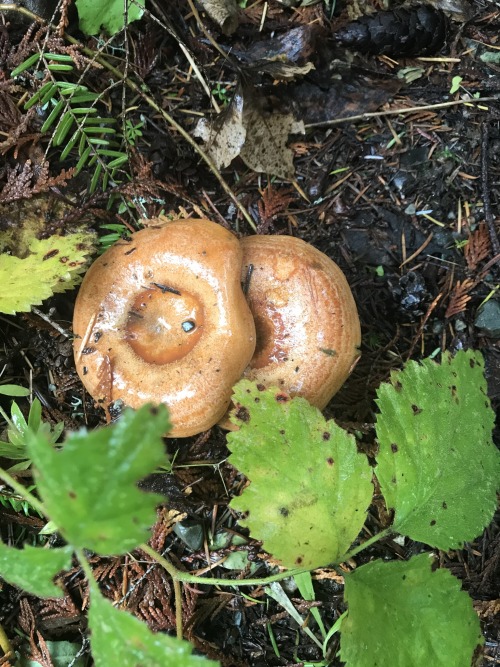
x,y
185,577
367,543
22,491
84,564
5,645
188,578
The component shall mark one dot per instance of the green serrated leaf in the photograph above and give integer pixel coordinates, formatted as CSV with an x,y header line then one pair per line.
x,y
309,489
34,568
52,265
437,465
407,615
118,638
107,14
89,486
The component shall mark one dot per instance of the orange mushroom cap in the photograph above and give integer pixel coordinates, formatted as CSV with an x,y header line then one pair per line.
x,y
308,330
162,318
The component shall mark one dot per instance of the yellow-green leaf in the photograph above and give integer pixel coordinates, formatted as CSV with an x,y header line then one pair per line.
x,y
309,488
51,265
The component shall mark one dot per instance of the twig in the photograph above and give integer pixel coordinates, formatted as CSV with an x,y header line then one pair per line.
x,y
395,112
422,325
488,215
173,124
187,53
47,319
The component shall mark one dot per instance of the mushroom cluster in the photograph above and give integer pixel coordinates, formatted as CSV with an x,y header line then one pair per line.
x,y
163,318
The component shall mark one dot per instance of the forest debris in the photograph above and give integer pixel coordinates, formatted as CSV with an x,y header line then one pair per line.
x,y
344,94
478,247
259,138
284,56
223,12
404,31
273,204
458,10
459,297
27,180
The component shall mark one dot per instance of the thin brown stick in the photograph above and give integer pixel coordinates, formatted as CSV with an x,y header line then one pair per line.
x,y
422,325
488,215
395,112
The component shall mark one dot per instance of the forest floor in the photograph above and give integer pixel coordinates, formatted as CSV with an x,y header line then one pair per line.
x,y
404,197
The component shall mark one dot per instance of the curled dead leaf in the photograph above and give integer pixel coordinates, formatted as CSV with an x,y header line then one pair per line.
x,y
223,12
259,138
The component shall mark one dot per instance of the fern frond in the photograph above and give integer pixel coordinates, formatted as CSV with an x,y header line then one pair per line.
x,y
75,122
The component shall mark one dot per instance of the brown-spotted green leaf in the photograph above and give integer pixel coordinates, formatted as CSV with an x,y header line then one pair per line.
x,y
438,467
309,488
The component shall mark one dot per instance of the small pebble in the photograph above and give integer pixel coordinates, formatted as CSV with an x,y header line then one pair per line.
x,y
488,318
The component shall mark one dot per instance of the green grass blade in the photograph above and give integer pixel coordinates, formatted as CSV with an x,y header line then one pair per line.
x,y
70,145
83,159
59,67
55,113
46,92
63,129
25,65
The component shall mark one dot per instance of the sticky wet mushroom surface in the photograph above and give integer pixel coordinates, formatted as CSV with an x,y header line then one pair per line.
x,y
162,318
308,331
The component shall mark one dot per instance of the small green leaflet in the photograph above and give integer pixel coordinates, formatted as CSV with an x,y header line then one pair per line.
x,y
32,569
89,486
309,488
438,467
407,615
107,14
118,638
61,653
13,390
51,265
